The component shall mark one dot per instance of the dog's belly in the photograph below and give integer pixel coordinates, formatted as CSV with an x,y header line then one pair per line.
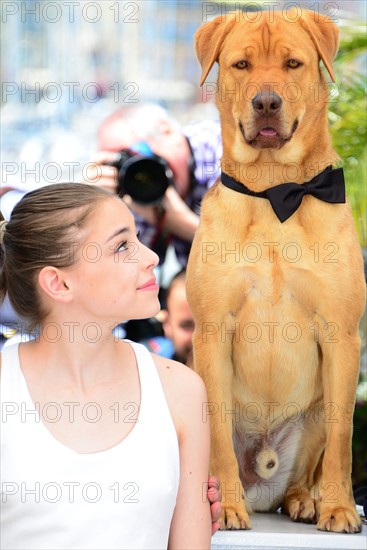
x,y
276,361
275,351
277,377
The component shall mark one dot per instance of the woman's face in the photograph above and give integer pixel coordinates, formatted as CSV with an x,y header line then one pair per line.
x,y
113,276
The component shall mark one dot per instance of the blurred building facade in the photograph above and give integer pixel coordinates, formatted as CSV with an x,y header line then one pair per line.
x,y
139,45
66,64
133,50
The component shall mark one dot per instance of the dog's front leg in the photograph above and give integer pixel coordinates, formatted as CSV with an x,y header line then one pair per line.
x,y
212,360
336,508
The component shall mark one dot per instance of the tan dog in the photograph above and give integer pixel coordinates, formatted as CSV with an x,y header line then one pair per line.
x,y
276,305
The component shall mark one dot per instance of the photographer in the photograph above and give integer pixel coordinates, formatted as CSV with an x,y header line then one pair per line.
x,y
192,155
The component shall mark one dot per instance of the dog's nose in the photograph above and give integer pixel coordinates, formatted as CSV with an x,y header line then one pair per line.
x,y
266,104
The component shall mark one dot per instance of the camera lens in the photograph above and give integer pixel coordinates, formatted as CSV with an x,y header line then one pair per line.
x,y
145,180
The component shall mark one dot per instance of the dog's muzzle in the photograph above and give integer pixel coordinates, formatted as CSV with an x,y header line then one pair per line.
x,y
267,130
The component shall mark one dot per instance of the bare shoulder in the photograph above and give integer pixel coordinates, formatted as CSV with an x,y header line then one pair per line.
x,y
178,375
184,389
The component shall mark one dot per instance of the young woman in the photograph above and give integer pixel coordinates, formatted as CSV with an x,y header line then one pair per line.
x,y
103,444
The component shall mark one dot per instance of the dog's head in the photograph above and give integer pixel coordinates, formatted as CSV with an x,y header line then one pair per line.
x,y
269,81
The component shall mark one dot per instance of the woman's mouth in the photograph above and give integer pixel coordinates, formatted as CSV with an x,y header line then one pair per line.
x,y
149,285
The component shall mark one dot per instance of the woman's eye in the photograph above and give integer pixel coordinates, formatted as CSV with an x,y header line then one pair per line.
x,y
121,247
293,63
241,64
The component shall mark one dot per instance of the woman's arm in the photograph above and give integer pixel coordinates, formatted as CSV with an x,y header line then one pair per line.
x,y
191,523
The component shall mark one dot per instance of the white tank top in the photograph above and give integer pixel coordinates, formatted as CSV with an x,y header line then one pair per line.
x,y
55,498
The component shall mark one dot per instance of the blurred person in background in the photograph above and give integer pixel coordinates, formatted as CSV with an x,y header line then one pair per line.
x,y
193,154
177,321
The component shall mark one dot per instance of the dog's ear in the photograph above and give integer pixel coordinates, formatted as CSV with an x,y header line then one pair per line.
x,y
325,35
208,40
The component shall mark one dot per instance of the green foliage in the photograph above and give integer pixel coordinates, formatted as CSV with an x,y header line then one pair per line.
x,y
348,118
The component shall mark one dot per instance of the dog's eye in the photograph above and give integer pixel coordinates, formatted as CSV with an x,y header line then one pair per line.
x,y
241,64
293,63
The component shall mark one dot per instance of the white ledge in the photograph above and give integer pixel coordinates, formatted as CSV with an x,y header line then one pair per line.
x,y
278,532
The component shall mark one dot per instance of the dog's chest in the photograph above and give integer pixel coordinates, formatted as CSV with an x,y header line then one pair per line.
x,y
270,267
267,260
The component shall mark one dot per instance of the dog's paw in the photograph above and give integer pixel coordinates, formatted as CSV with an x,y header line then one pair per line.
x,y
234,517
339,519
299,505
302,510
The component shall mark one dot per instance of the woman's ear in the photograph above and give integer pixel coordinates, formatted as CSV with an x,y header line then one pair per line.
x,y
53,282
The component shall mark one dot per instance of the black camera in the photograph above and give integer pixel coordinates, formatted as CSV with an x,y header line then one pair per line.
x,y
143,175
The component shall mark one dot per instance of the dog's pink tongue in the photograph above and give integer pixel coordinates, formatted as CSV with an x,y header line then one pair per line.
x,y
268,132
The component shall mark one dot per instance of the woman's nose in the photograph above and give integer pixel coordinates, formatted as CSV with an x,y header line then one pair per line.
x,y
151,259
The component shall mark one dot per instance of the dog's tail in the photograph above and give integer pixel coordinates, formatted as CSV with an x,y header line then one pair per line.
x,y
267,463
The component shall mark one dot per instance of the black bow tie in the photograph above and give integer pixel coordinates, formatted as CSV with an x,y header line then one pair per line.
x,y
286,198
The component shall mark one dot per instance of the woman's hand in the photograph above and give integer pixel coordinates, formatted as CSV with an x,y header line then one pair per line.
x,y
214,497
